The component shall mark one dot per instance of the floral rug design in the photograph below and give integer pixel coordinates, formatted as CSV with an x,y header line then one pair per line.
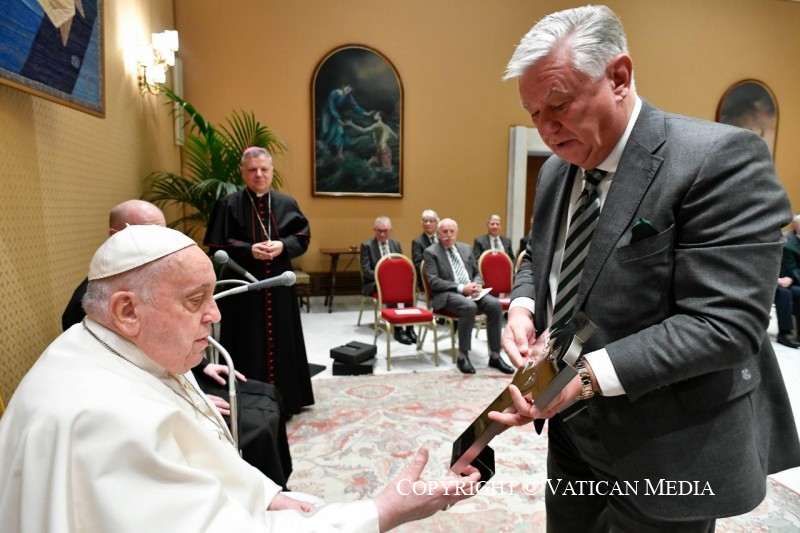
x,y
363,430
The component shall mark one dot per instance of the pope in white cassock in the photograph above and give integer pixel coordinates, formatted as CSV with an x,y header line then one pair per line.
x,y
108,430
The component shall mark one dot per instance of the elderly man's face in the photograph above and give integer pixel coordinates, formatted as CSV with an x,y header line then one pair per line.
x,y
580,120
382,232
447,233
257,173
429,225
493,226
173,328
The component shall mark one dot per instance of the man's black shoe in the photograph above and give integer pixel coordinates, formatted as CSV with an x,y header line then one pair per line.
x,y
499,364
465,365
786,340
411,334
401,337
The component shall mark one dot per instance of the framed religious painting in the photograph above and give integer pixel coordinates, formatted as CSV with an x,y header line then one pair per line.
x,y
357,100
54,49
750,104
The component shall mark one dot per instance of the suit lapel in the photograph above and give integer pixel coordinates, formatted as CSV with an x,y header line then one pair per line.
x,y
445,271
637,168
466,255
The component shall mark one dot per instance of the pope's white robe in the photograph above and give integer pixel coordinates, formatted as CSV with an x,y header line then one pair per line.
x,y
93,443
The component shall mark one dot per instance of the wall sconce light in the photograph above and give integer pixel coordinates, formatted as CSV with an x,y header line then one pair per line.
x,y
155,59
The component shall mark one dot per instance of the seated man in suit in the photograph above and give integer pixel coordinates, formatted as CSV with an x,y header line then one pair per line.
x,y
456,286
787,305
428,237
492,239
787,294
371,252
262,425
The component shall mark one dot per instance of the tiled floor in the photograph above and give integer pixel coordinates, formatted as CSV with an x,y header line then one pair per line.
x,y
324,331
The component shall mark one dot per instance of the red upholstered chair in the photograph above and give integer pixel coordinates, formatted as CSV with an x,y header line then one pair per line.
x,y
497,272
397,284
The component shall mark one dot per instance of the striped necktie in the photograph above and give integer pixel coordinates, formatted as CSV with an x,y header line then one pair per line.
x,y
576,246
458,267
384,249
496,243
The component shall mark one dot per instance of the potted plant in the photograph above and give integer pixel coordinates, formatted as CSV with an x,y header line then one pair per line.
x,y
210,159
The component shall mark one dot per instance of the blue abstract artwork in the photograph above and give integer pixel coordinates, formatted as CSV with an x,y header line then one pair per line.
x,y
54,49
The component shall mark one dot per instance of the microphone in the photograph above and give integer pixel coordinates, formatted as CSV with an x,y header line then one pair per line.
x,y
222,258
287,278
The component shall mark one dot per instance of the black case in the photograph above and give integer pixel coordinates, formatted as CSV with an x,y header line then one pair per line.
x,y
360,369
353,353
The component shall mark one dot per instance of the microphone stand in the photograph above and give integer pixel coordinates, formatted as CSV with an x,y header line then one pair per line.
x,y
286,279
231,370
231,391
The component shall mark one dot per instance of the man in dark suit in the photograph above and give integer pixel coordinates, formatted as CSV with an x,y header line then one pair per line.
x,y
680,381
456,285
371,252
787,294
492,239
790,262
430,220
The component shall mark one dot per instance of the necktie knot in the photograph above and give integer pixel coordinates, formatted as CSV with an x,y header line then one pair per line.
x,y
593,177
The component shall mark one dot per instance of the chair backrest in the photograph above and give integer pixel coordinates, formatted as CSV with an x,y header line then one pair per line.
x,y
396,279
425,287
520,258
497,271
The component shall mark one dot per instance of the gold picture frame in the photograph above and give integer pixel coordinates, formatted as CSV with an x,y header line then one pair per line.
x,y
750,104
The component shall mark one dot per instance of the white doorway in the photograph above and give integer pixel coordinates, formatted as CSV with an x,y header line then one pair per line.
x,y
524,143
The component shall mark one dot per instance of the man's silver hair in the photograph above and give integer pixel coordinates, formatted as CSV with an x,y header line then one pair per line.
x,y
382,220
494,217
593,33
430,213
140,280
439,225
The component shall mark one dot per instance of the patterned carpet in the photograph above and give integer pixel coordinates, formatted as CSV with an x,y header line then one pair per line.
x,y
364,430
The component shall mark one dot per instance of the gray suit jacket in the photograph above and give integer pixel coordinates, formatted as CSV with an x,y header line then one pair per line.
x,y
483,243
370,255
440,274
682,309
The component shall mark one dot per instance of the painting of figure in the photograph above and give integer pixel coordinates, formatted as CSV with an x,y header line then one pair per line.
x,y
54,49
357,101
750,104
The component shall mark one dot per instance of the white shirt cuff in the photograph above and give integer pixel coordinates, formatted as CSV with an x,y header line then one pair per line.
x,y
524,302
604,373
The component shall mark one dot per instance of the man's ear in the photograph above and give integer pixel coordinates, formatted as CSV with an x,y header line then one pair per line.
x,y
620,72
124,313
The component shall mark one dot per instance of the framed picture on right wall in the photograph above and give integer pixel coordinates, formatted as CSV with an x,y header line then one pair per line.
x,y
751,104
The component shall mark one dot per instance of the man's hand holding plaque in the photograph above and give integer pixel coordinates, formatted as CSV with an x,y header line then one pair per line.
x,y
535,384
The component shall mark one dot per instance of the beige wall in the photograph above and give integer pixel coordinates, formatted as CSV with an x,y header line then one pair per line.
x,y
450,55
62,169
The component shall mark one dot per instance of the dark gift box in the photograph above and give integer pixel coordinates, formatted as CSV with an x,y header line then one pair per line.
x,y
359,369
353,353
